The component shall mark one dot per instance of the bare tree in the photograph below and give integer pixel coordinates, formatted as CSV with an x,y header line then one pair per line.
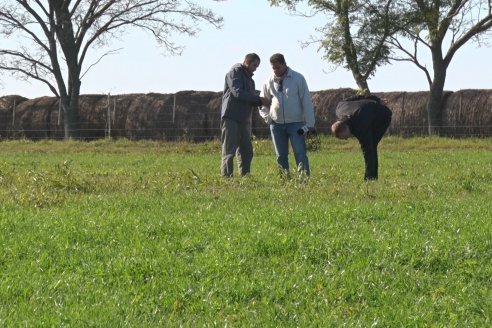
x,y
441,28
60,33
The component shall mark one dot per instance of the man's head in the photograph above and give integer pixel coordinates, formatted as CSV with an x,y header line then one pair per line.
x,y
340,130
279,66
251,62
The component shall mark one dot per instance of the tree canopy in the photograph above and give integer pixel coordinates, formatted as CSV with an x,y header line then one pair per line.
x,y
356,32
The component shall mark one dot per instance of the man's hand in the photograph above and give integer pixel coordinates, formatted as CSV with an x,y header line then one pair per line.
x,y
265,101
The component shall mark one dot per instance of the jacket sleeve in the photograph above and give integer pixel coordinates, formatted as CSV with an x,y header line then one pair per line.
x,y
307,104
265,111
239,90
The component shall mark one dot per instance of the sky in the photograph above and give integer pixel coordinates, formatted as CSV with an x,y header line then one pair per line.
x,y
140,66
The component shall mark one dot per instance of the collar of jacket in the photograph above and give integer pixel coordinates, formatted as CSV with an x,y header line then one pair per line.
x,y
279,78
246,70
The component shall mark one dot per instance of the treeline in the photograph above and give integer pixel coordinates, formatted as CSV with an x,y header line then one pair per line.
x,y
195,115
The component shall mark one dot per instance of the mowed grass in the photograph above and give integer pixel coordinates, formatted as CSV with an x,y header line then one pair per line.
x,y
146,234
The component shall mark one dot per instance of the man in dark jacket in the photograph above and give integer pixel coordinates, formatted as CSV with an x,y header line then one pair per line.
x,y
238,100
367,118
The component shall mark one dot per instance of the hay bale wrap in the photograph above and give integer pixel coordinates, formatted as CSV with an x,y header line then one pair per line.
x,y
139,116
186,114
7,119
195,115
409,112
468,112
36,117
114,115
214,107
93,112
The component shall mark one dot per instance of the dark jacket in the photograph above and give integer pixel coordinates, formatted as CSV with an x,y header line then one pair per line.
x,y
239,97
368,119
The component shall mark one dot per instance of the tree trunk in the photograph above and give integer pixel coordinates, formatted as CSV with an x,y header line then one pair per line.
x,y
434,107
71,112
435,101
362,84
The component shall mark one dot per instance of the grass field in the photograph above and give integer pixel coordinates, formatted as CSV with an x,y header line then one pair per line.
x,y
147,234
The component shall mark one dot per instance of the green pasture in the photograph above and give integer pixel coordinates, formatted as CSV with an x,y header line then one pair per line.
x,y
147,234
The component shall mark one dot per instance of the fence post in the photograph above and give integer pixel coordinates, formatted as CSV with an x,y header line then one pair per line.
x,y
114,110
13,112
174,107
59,111
402,120
109,115
459,108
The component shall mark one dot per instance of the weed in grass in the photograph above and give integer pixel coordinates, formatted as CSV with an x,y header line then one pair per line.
x,y
148,234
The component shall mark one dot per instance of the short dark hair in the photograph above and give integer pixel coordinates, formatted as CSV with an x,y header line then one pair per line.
x,y
277,59
251,57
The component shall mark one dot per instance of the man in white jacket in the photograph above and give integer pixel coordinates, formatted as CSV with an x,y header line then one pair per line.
x,y
291,114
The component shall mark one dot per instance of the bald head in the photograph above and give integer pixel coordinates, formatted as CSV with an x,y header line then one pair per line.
x,y
340,130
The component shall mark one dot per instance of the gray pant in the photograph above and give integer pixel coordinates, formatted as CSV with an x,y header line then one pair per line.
x,y
236,139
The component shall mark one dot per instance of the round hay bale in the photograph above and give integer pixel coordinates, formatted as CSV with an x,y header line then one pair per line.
x,y
468,113
8,115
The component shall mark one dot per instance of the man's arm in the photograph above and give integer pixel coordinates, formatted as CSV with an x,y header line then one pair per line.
x,y
265,109
307,104
239,90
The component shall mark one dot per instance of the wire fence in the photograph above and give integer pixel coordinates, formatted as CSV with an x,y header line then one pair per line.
x,y
195,116
197,135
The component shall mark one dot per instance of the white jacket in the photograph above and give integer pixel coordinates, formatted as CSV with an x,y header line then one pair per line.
x,y
291,105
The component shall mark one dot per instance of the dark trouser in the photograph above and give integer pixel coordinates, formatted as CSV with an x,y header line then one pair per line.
x,y
236,139
380,123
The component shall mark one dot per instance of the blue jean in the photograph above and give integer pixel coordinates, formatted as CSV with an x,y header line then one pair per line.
x,y
281,134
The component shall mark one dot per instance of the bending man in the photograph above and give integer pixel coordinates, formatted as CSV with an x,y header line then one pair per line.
x,y
366,118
